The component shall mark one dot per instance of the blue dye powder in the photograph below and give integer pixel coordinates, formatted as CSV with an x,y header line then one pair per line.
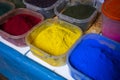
x,y
96,60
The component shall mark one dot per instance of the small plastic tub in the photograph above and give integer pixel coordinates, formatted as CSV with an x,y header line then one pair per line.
x,y
94,57
5,7
46,7
111,19
79,14
51,40
15,34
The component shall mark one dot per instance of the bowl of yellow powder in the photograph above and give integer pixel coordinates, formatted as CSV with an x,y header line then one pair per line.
x,y
52,39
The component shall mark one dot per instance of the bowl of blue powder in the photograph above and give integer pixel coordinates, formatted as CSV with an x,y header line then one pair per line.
x,y
95,57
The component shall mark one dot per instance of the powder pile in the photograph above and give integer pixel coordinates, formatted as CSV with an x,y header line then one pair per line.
x,y
56,39
20,24
96,60
79,11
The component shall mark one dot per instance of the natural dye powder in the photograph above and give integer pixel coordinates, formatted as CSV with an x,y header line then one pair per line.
x,y
56,39
52,39
79,11
20,24
4,8
97,61
42,3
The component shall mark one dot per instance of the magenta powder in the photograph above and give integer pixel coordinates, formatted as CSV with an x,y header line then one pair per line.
x,y
20,24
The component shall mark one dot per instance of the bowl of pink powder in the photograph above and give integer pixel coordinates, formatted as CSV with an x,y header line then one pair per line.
x,y
16,25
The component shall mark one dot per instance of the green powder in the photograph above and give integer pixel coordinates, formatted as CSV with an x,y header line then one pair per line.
x,y
79,11
4,8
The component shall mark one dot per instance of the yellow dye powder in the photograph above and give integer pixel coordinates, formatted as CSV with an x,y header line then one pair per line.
x,y
57,38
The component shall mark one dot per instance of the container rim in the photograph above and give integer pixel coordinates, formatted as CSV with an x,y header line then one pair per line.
x,y
34,28
11,4
47,8
71,68
22,35
92,36
107,14
73,20
8,2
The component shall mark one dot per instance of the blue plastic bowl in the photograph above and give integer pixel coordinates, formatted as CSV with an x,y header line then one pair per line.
x,y
94,57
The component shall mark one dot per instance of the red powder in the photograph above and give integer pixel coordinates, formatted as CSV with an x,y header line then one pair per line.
x,y
20,24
